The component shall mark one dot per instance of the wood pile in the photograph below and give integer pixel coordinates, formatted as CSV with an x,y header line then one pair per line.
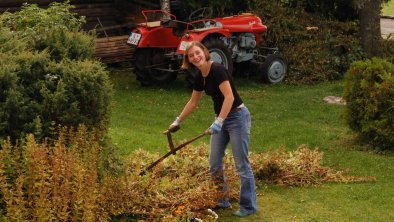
x,y
112,20
113,49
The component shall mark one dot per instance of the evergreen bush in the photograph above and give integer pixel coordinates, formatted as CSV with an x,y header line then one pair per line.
x,y
48,76
77,92
369,92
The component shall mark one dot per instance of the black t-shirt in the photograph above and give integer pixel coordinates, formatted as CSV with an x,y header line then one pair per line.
x,y
217,74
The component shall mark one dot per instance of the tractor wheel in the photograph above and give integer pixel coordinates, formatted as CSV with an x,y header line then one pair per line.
x,y
157,61
274,69
147,62
220,53
140,63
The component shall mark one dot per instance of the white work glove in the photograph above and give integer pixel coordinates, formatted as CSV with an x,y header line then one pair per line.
x,y
216,126
175,126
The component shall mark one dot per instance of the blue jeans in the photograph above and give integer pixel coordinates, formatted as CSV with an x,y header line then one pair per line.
x,y
235,130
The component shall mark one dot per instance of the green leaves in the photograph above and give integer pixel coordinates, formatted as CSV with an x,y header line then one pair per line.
x,y
369,92
34,20
47,73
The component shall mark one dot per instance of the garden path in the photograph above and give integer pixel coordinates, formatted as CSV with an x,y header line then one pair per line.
x,y
387,27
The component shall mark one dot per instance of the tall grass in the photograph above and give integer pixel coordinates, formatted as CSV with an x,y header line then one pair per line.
x,y
282,116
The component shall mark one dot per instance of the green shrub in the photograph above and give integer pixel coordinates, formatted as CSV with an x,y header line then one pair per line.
x,y
21,77
37,93
77,92
56,29
338,9
65,44
317,49
369,92
47,74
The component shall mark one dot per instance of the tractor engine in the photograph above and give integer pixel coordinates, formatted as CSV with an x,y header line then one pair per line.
x,y
244,46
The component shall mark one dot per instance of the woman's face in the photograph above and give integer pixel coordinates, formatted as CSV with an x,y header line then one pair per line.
x,y
196,56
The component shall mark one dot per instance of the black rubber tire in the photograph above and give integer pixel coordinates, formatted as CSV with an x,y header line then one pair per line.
x,y
145,59
220,53
274,69
156,76
141,61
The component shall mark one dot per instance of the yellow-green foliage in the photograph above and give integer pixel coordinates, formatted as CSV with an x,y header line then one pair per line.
x,y
64,180
60,182
51,182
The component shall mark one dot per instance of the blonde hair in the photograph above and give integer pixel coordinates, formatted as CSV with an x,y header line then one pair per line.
x,y
186,63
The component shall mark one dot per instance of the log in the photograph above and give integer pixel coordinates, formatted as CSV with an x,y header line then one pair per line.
x,y
113,49
110,49
106,28
113,39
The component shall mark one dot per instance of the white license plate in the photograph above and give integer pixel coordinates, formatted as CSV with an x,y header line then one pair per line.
x,y
183,45
134,38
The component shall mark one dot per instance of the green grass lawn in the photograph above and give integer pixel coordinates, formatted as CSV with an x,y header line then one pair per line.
x,y
388,9
282,116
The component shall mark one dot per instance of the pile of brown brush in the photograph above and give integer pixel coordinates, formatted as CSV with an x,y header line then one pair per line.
x,y
177,188
180,186
301,167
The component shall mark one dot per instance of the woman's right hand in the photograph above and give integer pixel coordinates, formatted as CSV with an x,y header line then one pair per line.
x,y
175,126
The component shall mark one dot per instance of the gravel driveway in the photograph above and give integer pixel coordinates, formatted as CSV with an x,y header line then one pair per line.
x,y
387,27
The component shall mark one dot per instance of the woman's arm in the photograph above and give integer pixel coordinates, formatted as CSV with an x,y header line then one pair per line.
x,y
191,105
225,88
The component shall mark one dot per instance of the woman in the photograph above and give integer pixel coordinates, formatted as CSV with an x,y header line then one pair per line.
x,y
232,123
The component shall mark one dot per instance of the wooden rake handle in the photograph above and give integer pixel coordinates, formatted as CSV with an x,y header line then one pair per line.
x,y
173,150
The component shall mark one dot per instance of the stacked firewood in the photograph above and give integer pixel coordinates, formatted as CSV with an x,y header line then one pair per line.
x,y
113,49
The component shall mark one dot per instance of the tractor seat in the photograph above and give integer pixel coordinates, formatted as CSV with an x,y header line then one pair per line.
x,y
150,24
176,24
178,27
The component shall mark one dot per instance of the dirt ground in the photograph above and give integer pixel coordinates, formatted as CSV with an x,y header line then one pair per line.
x,y
387,27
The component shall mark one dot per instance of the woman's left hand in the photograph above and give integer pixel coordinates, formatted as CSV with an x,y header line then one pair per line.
x,y
216,126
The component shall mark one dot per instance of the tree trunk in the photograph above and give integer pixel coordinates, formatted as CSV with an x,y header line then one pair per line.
x,y
165,6
371,38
